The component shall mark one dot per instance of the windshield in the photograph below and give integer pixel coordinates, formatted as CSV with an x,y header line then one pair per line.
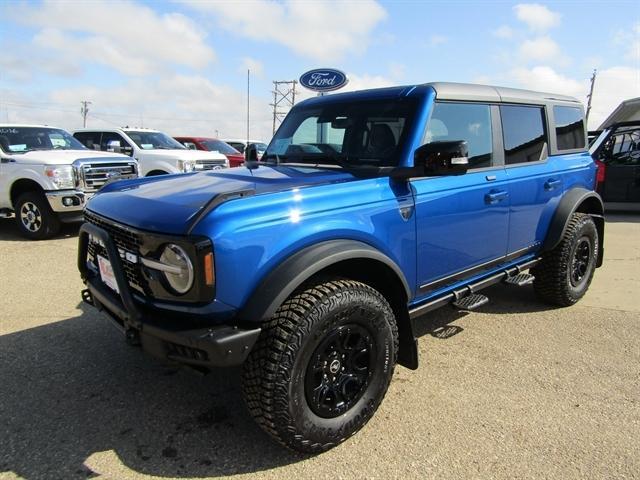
x,y
27,139
364,133
154,140
220,146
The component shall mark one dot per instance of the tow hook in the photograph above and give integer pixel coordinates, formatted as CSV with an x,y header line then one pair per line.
x,y
87,297
132,336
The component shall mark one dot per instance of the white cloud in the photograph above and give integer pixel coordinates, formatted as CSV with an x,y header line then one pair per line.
x,y
537,17
546,79
323,30
124,35
176,104
541,49
613,85
436,40
629,40
255,66
503,31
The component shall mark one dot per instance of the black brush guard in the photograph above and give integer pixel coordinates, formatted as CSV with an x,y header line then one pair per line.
x,y
216,346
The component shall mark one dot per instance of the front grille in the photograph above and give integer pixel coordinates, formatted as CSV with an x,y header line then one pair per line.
x,y
95,175
126,241
210,164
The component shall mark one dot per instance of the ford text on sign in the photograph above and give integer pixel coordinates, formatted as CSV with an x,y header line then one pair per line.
x,y
323,79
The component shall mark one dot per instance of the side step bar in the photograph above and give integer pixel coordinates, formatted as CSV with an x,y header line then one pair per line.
x,y
470,290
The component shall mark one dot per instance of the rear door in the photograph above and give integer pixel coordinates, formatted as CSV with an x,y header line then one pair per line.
x,y
462,221
535,186
622,162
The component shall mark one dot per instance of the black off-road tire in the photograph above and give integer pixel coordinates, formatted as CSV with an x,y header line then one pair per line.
x,y
291,355
565,273
34,217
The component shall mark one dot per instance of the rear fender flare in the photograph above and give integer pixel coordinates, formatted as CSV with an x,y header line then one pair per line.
x,y
576,200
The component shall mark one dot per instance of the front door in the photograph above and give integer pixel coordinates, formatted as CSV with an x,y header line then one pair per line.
x,y
462,221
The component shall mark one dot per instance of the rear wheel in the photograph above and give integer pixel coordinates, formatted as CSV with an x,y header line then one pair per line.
x,y
322,365
565,273
35,219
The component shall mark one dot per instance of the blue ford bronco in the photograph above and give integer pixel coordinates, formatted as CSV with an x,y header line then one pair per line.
x,y
368,210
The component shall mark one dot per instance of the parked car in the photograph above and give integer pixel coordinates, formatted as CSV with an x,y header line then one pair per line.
x,y
213,145
156,152
369,209
616,151
241,146
47,176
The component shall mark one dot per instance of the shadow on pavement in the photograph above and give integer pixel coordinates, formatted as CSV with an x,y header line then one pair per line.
x,y
622,217
9,231
74,388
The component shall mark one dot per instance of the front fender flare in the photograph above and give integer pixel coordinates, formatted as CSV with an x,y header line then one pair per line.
x,y
284,279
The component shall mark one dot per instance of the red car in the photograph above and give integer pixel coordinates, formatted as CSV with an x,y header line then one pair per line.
x,y
213,145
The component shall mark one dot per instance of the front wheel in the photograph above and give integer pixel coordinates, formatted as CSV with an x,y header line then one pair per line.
x,y
35,219
322,365
565,273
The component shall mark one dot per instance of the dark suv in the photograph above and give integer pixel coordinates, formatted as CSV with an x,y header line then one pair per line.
x,y
617,154
368,210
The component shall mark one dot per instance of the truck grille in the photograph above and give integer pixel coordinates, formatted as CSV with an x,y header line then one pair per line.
x,y
126,241
210,164
95,175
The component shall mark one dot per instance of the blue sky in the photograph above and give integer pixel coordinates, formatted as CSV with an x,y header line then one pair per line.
x,y
181,66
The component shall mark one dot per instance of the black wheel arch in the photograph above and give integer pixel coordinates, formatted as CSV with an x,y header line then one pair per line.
x,y
350,259
576,200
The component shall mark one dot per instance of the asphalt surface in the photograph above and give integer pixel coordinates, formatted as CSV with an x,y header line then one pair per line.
x,y
515,390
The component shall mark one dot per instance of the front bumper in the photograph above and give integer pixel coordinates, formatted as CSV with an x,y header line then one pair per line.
x,y
166,338
64,201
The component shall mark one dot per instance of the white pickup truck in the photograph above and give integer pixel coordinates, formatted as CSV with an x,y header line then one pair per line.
x,y
47,176
156,152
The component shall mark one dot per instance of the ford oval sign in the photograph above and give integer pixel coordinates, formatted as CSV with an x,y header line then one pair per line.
x,y
323,79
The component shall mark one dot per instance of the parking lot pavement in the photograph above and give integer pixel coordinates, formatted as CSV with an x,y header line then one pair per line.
x,y
516,390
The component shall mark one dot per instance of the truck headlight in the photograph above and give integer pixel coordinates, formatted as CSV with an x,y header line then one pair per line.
x,y
186,165
62,176
180,278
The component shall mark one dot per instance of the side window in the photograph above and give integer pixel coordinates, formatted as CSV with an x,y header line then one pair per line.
x,y
464,121
90,140
569,127
107,144
525,138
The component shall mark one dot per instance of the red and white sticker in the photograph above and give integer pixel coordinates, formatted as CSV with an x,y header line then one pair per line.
x,y
106,273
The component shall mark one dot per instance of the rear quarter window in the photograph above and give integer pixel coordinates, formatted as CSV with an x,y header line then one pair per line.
x,y
569,127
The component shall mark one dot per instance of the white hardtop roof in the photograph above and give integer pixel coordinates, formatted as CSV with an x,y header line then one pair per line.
x,y
488,93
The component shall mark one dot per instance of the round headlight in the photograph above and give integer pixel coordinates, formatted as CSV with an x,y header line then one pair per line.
x,y
176,256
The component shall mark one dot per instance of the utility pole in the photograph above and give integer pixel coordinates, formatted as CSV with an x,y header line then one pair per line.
x,y
248,108
284,95
84,110
590,96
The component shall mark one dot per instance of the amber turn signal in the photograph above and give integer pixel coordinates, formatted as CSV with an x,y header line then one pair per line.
x,y
209,275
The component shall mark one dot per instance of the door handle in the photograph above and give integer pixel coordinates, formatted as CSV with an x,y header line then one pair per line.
x,y
495,196
552,184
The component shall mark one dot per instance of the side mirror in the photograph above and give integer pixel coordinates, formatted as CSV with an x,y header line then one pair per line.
x,y
436,159
113,146
251,153
443,158
127,150
251,157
